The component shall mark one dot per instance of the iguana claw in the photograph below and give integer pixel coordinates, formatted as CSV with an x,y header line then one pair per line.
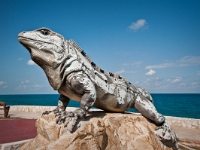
x,y
46,112
166,134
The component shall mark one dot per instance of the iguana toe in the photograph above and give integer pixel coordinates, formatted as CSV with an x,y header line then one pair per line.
x,y
46,112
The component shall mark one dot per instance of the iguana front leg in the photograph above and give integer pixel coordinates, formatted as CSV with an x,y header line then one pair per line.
x,y
62,104
83,86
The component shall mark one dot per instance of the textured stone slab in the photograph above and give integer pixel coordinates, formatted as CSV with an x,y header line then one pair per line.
x,y
98,131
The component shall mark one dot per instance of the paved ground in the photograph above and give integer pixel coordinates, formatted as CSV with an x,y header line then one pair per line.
x,y
14,129
20,126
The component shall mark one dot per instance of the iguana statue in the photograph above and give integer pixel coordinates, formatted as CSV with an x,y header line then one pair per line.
x,y
72,73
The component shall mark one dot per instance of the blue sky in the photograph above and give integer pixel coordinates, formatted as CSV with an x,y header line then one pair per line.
x,y
155,44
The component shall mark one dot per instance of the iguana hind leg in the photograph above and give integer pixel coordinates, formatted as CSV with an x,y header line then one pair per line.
x,y
148,110
145,106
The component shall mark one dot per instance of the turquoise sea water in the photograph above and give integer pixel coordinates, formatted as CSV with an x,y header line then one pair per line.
x,y
178,105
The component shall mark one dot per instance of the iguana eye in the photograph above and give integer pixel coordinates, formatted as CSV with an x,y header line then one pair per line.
x,y
44,32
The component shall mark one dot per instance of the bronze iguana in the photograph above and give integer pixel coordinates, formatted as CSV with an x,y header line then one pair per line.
x,y
71,72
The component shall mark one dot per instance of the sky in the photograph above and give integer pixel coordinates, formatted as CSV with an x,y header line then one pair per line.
x,y
154,44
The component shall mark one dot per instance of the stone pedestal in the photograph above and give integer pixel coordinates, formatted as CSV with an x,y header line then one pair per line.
x,y
99,131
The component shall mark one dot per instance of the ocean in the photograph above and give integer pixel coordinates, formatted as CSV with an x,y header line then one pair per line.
x,y
177,105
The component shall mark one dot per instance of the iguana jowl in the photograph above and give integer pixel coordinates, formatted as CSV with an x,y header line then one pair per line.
x,y
70,71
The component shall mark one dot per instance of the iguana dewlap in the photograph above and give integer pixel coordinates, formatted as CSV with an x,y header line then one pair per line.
x,y
70,71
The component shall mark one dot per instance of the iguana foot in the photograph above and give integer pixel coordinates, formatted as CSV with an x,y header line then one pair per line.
x,y
69,119
165,134
46,112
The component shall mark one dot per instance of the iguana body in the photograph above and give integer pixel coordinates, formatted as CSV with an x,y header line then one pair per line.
x,y
75,76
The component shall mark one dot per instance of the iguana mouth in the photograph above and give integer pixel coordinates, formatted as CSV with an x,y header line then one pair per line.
x,y
24,42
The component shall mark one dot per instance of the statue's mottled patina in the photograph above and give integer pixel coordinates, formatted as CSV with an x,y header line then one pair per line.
x,y
71,72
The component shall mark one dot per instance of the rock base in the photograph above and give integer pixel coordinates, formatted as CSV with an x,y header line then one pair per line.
x,y
99,131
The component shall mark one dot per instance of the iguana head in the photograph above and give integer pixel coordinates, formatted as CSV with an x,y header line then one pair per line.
x,y
45,46
48,50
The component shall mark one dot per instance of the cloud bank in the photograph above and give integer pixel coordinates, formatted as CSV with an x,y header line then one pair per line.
x,y
184,61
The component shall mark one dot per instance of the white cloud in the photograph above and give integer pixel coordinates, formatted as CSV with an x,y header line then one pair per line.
x,y
195,60
152,82
1,83
30,62
28,87
153,79
36,86
182,85
20,87
176,80
184,61
164,65
137,82
151,72
137,64
120,71
26,81
125,64
125,72
19,59
198,73
195,84
139,24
